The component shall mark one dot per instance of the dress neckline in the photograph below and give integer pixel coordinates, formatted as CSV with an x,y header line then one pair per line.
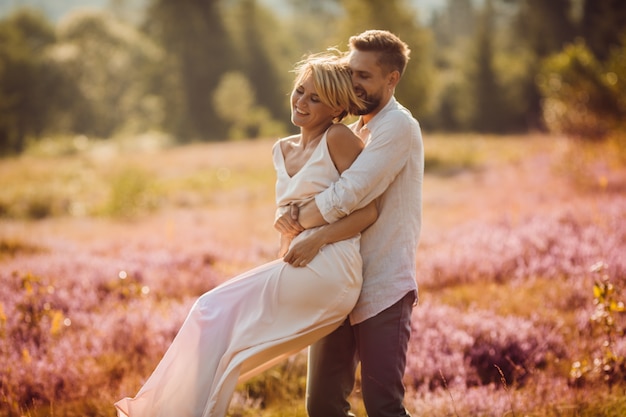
x,y
317,147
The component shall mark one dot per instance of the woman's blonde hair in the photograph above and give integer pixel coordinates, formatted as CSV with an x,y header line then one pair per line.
x,y
332,80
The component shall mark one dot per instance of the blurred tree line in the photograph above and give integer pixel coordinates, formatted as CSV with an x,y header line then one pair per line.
x,y
220,69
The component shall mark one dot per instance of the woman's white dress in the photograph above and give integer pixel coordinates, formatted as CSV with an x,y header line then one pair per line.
x,y
256,319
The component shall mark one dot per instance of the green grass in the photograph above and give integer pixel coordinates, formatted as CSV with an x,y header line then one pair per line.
x,y
112,179
448,155
536,298
106,179
10,247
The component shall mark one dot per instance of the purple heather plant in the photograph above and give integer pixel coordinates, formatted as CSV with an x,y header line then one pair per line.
x,y
77,319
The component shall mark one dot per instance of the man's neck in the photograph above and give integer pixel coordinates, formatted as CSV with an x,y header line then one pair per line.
x,y
366,118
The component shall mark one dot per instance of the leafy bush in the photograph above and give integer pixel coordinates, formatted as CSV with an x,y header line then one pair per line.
x,y
13,247
33,205
131,194
235,103
609,327
25,78
110,63
584,98
476,348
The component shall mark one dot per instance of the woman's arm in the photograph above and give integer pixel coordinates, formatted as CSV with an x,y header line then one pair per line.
x,y
286,233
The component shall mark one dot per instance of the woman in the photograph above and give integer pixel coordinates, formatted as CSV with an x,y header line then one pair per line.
x,y
256,319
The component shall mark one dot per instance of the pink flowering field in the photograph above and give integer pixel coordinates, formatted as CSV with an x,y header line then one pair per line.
x,y
104,246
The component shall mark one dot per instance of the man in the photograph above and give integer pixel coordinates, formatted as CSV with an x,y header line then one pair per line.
x,y
390,167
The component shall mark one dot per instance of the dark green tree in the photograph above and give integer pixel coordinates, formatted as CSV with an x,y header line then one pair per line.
x,y
603,25
107,59
24,87
488,106
264,57
199,50
539,29
456,20
453,27
314,24
544,26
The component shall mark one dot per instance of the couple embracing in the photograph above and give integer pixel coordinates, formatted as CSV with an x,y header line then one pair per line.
x,y
349,213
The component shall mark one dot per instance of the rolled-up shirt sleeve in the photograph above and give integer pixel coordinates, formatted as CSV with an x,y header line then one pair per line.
x,y
370,174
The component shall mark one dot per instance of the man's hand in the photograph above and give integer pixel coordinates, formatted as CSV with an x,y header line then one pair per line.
x,y
287,224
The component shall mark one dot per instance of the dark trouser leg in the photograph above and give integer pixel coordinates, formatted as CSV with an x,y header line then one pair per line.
x,y
331,370
382,342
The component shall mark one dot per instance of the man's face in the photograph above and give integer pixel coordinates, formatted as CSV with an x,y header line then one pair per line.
x,y
370,82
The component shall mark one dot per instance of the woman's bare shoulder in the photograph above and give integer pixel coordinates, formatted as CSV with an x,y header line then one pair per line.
x,y
287,142
344,146
340,135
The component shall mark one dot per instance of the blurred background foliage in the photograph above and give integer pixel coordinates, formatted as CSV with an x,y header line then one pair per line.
x,y
216,70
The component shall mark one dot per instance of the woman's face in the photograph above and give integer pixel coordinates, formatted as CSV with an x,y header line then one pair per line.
x,y
307,110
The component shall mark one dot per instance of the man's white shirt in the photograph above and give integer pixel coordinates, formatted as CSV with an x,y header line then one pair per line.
x,y
391,165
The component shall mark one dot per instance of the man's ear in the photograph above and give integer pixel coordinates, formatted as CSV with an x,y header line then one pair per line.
x,y
394,78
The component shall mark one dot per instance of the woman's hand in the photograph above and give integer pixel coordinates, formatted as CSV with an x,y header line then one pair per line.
x,y
304,250
285,241
287,224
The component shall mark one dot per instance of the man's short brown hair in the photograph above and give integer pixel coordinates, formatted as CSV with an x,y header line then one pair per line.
x,y
393,53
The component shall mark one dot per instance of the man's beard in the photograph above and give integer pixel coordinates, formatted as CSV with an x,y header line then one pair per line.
x,y
370,103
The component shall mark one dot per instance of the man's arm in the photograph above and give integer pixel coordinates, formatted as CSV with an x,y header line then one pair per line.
x,y
303,251
308,215
370,175
289,222
366,179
